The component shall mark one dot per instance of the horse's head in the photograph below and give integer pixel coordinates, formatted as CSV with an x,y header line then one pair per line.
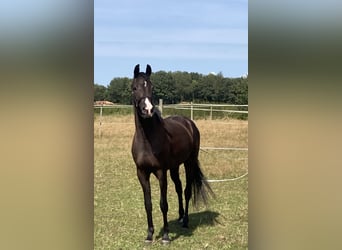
x,y
142,92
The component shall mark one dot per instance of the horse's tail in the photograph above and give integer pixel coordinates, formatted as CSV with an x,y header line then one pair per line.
x,y
200,187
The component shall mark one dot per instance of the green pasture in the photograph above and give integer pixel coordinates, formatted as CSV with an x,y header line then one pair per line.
x,y
119,214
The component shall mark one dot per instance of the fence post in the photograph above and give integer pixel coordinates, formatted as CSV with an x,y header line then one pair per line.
x,y
192,111
211,112
101,115
161,106
100,132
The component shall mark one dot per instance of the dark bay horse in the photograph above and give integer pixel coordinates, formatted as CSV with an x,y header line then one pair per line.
x,y
164,144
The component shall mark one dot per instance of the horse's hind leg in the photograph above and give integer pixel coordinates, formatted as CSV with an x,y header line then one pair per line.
x,y
178,185
188,190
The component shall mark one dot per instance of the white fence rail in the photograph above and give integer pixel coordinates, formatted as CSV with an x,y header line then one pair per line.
x,y
188,106
203,107
112,106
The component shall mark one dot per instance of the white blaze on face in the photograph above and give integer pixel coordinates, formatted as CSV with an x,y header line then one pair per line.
x,y
148,106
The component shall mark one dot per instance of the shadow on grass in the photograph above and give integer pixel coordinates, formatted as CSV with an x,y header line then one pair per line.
x,y
205,218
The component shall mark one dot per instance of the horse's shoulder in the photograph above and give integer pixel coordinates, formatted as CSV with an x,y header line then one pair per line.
x,y
185,121
177,118
172,121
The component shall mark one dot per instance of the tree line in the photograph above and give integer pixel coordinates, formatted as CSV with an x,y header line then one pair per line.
x,y
176,87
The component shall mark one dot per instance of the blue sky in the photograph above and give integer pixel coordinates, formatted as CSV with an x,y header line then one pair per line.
x,y
185,35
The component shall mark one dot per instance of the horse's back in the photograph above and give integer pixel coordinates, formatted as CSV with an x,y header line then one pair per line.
x,y
184,137
185,122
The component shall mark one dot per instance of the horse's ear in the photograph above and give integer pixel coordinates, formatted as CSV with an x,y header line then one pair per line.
x,y
148,70
136,70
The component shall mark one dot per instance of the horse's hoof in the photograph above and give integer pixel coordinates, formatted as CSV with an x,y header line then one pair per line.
x,y
185,225
166,241
180,220
148,241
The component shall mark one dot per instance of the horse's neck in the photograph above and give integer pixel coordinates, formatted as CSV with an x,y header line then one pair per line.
x,y
148,126
151,130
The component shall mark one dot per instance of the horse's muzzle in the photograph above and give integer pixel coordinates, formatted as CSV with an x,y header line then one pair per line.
x,y
146,107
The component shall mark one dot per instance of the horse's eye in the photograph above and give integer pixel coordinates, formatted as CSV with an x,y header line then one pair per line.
x,y
134,88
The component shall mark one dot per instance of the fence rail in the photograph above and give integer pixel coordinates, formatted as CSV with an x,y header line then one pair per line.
x,y
208,104
187,106
204,107
112,106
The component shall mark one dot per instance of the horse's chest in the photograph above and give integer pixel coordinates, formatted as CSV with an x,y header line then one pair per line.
x,y
144,157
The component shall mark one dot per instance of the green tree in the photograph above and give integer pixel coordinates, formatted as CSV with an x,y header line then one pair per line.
x,y
195,79
206,88
119,90
238,91
100,92
218,88
183,85
164,87
175,87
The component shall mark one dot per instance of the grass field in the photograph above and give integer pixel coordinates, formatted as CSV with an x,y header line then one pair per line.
x,y
119,214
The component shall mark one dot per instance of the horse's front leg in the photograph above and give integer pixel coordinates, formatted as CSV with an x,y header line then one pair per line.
x,y
144,178
164,207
